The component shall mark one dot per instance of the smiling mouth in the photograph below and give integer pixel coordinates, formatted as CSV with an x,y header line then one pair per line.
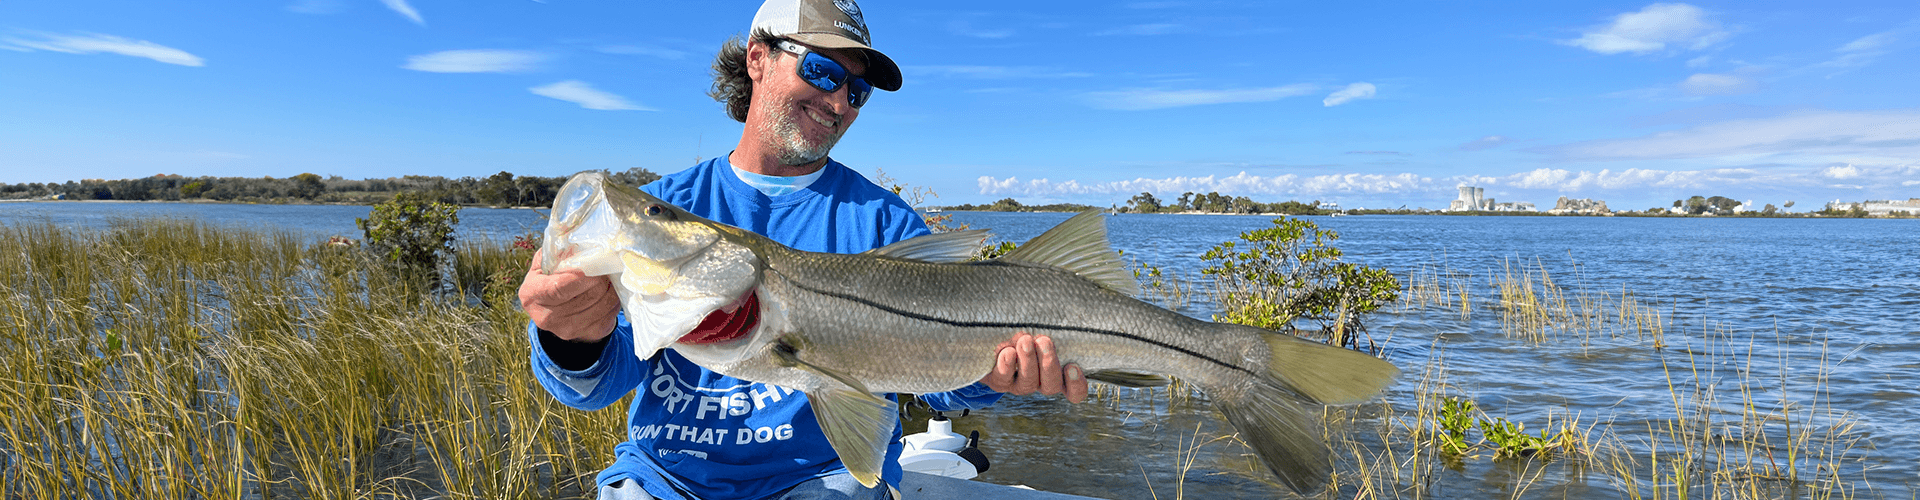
x,y
825,119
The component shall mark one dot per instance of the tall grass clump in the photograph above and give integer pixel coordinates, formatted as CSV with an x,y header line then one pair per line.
x,y
165,358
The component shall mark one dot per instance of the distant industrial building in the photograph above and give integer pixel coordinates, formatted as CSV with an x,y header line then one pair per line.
x,y
1475,199
1877,207
1471,199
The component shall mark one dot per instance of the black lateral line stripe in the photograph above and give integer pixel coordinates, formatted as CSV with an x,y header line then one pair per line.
x,y
1019,326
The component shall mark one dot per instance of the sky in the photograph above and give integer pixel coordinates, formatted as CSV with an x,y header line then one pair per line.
x,y
1367,104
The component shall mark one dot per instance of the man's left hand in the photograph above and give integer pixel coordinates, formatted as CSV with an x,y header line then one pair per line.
x,y
1028,364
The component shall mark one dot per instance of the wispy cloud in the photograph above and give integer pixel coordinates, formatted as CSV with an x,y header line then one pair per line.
x,y
971,26
1491,141
1704,84
1144,99
405,10
579,92
990,72
1653,29
1887,133
1387,153
1142,30
94,43
1239,184
316,6
1362,90
642,50
477,61
1862,51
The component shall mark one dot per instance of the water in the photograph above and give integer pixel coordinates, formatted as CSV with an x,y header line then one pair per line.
x,y
1782,288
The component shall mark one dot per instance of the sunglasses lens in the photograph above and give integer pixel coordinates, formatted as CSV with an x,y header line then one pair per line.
x,y
858,91
825,74
822,72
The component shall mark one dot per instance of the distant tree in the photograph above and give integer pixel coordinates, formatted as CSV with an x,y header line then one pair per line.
x,y
193,189
307,186
1697,205
1185,202
1789,204
1679,203
1859,210
637,177
1770,210
1144,203
1006,205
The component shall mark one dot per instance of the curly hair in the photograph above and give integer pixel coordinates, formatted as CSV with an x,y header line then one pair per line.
x,y
731,85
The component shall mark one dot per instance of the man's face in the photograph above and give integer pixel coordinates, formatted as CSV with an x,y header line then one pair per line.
x,y
793,118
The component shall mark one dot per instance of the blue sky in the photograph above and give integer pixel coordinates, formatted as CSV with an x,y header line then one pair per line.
x,y
1366,104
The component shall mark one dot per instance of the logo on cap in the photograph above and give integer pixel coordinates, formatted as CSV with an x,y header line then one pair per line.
x,y
852,10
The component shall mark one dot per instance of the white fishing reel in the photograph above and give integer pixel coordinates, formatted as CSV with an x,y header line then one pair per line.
x,y
941,452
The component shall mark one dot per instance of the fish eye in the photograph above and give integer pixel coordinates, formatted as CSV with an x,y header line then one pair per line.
x,y
655,210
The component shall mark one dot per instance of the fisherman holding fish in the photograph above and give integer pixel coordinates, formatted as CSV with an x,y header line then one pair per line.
x,y
798,82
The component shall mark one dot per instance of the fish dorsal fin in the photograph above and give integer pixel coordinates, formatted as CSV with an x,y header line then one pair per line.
x,y
1079,245
956,246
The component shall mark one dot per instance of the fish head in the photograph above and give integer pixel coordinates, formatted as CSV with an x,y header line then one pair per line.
x,y
670,267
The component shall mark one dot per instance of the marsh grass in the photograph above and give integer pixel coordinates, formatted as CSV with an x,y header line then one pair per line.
x,y
1746,418
165,358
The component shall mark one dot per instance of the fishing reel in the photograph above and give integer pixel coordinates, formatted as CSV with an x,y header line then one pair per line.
x,y
941,452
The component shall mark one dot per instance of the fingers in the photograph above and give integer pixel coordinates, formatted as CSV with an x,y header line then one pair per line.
x,y
1006,362
572,305
1051,380
1027,380
1076,384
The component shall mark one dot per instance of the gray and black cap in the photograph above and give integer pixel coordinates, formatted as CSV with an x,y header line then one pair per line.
x,y
828,24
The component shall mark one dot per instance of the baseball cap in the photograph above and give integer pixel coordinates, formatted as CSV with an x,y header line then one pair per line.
x,y
828,24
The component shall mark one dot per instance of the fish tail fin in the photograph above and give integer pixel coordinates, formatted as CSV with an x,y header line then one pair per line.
x,y
1276,425
1327,374
1273,412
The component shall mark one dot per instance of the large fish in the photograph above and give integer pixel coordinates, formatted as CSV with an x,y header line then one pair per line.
x,y
913,317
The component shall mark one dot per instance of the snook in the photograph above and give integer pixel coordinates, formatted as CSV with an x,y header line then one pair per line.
x,y
913,318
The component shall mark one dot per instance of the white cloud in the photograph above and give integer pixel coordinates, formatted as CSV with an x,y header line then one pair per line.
x,y
1653,29
477,61
1561,180
1143,99
1490,141
1362,90
1239,184
1702,84
1869,42
1885,134
405,10
1861,51
93,43
1847,171
579,92
1700,62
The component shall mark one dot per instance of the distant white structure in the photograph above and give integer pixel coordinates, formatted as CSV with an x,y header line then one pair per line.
x,y
1878,207
1516,206
1580,206
1328,205
1471,198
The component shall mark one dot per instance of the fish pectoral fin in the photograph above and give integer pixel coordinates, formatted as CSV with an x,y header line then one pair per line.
x,y
789,353
859,425
1131,379
955,246
1080,246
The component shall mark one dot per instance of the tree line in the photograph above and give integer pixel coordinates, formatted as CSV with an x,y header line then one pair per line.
x,y
1011,205
501,189
1214,202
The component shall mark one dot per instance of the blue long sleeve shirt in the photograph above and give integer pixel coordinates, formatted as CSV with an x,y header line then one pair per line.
x,y
694,433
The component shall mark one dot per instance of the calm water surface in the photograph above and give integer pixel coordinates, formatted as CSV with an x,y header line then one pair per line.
x,y
1795,290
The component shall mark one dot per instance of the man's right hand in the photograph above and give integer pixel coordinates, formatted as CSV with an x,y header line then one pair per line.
x,y
571,305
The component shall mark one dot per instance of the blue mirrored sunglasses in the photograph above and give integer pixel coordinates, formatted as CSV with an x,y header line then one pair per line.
x,y
828,75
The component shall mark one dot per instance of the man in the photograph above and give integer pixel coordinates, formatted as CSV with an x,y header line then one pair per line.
x,y
798,84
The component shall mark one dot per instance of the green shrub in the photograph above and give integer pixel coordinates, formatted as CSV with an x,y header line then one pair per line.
x,y
410,230
1290,272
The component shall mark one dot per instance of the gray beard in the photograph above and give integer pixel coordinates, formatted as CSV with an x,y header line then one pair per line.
x,y
783,131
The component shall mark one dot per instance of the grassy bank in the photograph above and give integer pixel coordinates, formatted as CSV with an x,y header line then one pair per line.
x,y
166,359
